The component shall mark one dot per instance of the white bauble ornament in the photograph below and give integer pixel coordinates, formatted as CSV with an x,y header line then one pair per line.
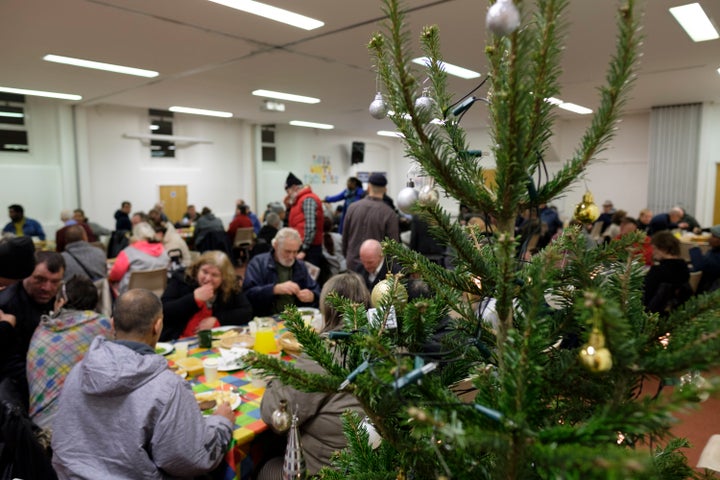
x,y
428,196
503,18
383,287
406,199
378,108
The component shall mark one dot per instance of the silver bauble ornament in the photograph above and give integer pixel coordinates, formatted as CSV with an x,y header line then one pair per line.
x,y
378,108
406,198
503,18
428,196
424,104
281,418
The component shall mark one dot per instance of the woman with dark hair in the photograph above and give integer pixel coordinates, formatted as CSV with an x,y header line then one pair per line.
x,y
204,296
667,283
59,342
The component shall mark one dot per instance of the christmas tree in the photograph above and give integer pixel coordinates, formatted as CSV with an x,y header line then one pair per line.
x,y
555,374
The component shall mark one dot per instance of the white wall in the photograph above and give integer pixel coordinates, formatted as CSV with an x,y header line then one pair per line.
x,y
321,158
79,157
118,169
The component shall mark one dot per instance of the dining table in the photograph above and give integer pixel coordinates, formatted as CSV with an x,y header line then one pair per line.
x,y
241,456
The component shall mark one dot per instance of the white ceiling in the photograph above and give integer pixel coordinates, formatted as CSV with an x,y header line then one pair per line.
x,y
210,56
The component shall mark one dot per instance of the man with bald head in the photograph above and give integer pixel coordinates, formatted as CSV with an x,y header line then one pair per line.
x,y
373,267
667,221
123,414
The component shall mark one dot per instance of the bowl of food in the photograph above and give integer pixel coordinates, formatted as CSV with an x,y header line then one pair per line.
x,y
289,343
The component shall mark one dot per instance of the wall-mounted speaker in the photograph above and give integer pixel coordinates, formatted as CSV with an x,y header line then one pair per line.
x,y
357,152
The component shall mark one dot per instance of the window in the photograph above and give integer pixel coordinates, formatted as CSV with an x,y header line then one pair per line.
x,y
161,123
267,140
13,132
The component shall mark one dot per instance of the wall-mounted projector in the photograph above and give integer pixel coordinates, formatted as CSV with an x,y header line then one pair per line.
x,y
272,106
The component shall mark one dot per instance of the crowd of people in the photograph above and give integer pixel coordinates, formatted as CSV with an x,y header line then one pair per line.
x,y
110,405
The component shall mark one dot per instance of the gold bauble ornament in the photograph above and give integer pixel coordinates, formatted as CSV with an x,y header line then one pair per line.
x,y
596,359
383,288
587,211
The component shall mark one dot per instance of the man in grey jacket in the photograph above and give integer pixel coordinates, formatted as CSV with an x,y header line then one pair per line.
x,y
123,414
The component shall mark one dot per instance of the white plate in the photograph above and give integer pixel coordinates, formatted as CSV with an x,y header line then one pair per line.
x,y
232,397
230,359
163,348
225,328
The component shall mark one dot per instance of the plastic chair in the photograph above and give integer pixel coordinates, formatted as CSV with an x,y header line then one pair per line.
x,y
244,239
153,280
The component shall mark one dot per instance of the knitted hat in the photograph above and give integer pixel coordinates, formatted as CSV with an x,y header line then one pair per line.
x,y
378,179
292,180
17,258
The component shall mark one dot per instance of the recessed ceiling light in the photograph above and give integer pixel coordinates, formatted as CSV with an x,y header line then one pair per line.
x,y
449,68
285,96
200,111
389,133
300,123
272,13
40,93
695,22
108,67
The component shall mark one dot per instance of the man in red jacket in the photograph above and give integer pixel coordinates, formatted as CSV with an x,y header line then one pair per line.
x,y
306,216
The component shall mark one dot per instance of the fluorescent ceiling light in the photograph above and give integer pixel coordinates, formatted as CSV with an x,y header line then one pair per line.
x,y
154,127
200,111
571,107
40,93
11,114
718,70
388,133
300,123
108,67
695,22
449,68
285,96
272,13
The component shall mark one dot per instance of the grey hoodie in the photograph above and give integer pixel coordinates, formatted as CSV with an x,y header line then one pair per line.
x,y
123,414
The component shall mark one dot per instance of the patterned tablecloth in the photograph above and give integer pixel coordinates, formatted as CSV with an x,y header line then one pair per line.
x,y
238,461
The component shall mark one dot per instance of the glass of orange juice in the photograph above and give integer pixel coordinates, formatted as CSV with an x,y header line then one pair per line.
x,y
265,336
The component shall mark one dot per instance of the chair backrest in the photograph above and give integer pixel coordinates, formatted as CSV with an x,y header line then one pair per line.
x,y
243,237
596,230
153,280
695,278
104,304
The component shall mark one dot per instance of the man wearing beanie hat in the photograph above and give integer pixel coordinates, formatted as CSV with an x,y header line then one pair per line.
x,y
307,217
368,218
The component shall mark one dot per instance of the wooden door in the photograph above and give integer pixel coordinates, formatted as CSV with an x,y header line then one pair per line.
x,y
716,205
175,199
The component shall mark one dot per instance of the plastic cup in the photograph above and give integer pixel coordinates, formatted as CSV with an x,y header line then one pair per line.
x,y
181,350
210,365
205,338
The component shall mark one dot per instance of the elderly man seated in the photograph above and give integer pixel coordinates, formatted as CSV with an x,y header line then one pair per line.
x,y
373,267
276,278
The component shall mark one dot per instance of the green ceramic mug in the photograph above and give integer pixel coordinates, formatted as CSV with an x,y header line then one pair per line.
x,y
205,338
